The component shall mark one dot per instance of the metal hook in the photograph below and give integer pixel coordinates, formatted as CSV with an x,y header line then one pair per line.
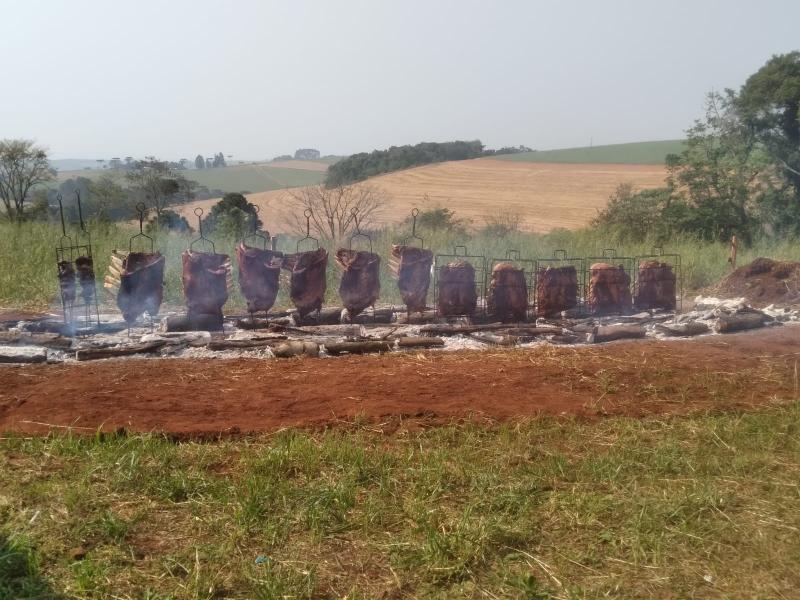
x,y
141,208
455,251
560,254
358,233
609,253
199,214
254,233
64,235
308,213
414,236
512,254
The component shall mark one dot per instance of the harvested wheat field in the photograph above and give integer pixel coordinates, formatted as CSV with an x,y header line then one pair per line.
x,y
545,195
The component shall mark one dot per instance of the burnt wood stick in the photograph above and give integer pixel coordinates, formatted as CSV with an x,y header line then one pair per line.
x,y
47,340
741,322
195,323
420,342
609,333
683,329
218,345
129,350
296,348
366,347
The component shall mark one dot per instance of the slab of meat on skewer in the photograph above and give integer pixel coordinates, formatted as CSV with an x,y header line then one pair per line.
x,y
308,279
361,283
85,268
141,286
205,283
507,297
457,294
556,290
259,275
609,289
411,266
66,281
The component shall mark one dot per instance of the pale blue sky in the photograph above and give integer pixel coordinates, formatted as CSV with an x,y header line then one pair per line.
x,y
95,79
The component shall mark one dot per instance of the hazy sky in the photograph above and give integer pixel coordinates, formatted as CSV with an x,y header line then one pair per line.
x,y
96,79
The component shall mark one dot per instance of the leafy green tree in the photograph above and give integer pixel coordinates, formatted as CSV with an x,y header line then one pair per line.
x,y
168,220
23,166
108,200
770,104
720,173
231,216
156,184
199,162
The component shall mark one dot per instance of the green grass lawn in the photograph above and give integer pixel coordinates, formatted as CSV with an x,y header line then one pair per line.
x,y
692,507
636,153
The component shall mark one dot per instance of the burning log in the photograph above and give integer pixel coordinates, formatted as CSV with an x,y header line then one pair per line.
x,y
656,288
740,322
259,274
296,348
308,283
419,342
361,284
609,333
457,295
411,266
556,290
364,347
141,285
609,289
85,268
129,350
205,286
683,329
66,281
507,298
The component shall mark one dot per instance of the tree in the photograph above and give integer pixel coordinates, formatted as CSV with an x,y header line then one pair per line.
x,y
306,154
770,104
23,166
719,174
219,160
199,162
231,216
332,210
108,200
155,183
168,220
439,219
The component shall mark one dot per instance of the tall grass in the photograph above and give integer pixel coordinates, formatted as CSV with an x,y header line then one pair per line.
x,y
28,279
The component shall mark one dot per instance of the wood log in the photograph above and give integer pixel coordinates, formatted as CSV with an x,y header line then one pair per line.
x,y
364,347
683,329
128,350
436,329
420,342
740,322
22,354
609,333
46,340
219,345
184,323
296,348
416,317
494,339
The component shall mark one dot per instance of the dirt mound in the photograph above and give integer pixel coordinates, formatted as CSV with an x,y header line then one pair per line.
x,y
764,281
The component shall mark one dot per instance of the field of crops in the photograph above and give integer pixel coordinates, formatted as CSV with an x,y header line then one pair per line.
x,y
635,153
542,196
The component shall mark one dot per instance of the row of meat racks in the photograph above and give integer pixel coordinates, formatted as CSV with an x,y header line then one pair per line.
x,y
510,288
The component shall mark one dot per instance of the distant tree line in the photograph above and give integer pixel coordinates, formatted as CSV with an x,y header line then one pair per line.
x,y
359,167
739,174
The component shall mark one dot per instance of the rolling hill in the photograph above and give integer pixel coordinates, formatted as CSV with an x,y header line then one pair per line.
x,y
635,153
544,196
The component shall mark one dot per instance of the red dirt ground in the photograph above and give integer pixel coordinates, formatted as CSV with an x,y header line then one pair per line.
x,y
221,397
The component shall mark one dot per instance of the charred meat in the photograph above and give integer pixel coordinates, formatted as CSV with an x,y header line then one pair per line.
x,y
457,294
259,274
656,287
141,286
308,283
66,281
205,284
507,297
609,289
85,268
412,268
556,290
361,284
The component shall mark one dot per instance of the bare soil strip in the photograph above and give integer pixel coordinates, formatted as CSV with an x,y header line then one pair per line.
x,y
228,397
